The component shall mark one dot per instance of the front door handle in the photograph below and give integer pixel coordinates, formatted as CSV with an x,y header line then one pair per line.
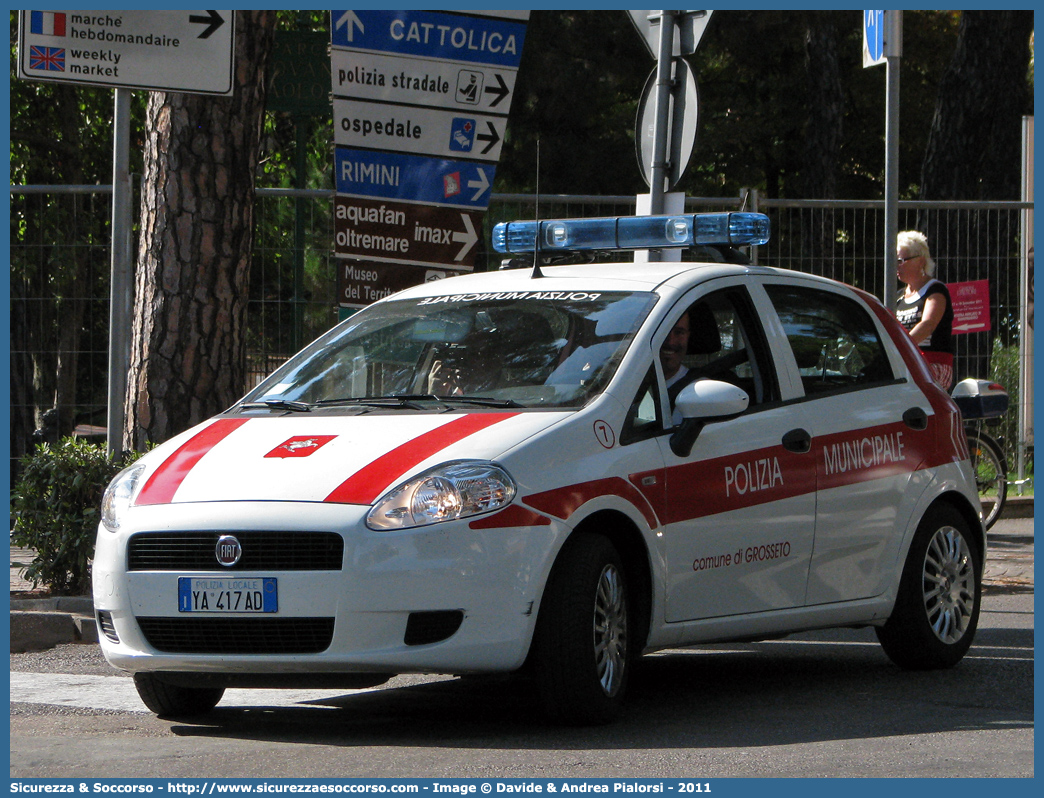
x,y
798,441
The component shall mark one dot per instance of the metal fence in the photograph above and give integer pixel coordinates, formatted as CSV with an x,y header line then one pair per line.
x,y
60,281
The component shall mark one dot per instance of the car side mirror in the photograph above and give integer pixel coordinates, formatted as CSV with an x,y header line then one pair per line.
x,y
703,401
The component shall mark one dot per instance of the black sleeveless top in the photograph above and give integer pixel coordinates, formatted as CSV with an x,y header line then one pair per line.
x,y
910,313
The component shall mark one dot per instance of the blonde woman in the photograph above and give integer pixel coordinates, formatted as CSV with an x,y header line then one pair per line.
x,y
924,307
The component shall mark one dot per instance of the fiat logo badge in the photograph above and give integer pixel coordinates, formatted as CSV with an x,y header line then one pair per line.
x,y
228,551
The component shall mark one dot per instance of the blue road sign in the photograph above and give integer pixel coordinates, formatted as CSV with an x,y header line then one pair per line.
x,y
413,178
873,33
431,34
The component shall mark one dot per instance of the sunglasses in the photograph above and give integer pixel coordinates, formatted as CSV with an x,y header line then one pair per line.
x,y
901,261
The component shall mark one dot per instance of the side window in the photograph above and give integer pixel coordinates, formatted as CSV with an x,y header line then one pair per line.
x,y
643,417
833,338
726,343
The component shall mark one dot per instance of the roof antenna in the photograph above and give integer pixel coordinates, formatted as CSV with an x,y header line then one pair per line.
x,y
745,192
536,215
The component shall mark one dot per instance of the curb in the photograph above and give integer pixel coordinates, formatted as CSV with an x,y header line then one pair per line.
x,y
1018,507
42,628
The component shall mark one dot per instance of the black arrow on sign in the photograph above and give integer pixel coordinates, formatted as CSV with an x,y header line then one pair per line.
x,y
213,19
501,91
492,138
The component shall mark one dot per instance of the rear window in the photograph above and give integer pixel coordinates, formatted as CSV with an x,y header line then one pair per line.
x,y
833,339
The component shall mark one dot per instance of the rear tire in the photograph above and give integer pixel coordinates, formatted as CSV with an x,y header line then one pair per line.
x,y
991,476
936,609
583,646
171,700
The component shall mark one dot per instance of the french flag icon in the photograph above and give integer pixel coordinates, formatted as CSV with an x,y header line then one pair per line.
x,y
47,23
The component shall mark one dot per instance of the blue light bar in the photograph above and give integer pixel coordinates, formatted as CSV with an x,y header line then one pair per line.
x,y
633,232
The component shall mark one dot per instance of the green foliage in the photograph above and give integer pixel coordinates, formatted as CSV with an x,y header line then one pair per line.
x,y
56,505
1004,369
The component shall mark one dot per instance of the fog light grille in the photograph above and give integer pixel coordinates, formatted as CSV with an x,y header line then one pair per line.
x,y
106,626
423,628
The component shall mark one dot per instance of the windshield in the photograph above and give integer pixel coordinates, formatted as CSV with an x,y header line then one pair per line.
x,y
525,348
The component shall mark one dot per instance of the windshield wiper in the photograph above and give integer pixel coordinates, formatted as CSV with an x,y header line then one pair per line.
x,y
278,404
483,401
406,401
418,401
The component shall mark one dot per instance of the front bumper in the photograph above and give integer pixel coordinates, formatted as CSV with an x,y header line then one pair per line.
x,y
491,578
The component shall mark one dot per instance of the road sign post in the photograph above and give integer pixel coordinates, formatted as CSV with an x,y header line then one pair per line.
x,y
664,152
882,44
683,115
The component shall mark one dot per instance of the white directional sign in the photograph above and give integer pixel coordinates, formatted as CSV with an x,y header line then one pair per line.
x,y
421,81
189,51
414,129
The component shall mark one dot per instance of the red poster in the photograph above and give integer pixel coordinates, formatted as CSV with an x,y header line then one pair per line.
x,y
971,306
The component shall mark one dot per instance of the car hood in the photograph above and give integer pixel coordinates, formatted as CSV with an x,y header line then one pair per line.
x,y
341,459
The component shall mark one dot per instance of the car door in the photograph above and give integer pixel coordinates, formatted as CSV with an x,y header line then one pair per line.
x,y
740,507
867,428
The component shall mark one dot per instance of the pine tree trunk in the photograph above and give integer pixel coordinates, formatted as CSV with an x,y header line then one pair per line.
x,y
188,351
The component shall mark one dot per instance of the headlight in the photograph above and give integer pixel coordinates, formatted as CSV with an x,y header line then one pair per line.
x,y
118,495
444,493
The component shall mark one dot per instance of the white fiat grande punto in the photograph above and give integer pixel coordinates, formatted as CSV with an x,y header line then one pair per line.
x,y
552,470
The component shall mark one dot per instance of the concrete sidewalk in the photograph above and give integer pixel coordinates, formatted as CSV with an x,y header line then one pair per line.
x,y
41,623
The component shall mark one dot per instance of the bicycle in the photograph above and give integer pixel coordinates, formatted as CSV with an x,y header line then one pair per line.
x,y
979,401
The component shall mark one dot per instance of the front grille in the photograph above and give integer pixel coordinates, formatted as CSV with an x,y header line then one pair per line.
x,y
262,551
238,635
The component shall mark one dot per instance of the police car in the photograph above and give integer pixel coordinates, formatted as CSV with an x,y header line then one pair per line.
x,y
552,470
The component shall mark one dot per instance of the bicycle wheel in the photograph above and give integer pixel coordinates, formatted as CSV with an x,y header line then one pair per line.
x,y
991,475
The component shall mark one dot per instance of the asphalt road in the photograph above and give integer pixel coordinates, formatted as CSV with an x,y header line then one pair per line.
x,y
823,704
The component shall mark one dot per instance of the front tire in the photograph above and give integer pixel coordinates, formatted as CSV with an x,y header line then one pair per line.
x,y
936,609
174,701
583,646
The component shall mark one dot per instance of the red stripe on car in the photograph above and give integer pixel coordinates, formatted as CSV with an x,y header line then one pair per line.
x,y
166,479
563,502
746,479
369,482
511,516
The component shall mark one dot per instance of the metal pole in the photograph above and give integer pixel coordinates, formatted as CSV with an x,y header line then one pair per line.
x,y
120,297
662,118
893,49
1026,342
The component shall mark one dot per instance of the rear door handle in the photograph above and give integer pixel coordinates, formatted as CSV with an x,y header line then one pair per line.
x,y
797,440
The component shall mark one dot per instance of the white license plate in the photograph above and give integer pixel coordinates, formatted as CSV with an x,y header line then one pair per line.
x,y
228,594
